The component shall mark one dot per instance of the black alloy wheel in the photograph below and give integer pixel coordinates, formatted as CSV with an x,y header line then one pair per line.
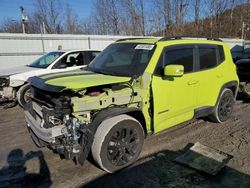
x,y
117,143
225,106
122,146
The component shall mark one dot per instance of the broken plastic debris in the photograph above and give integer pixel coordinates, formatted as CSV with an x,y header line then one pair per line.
x,y
204,159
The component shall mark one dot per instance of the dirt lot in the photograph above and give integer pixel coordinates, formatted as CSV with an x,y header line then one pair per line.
x,y
24,165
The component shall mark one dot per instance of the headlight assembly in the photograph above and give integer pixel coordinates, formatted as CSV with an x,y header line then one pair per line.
x,y
4,81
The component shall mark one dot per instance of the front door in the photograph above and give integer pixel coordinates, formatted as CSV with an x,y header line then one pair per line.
x,y
174,98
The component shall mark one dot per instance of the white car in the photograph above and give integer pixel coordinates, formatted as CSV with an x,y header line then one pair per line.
x,y
13,81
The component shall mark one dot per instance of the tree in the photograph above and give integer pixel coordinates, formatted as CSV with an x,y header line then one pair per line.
x,y
106,17
11,26
164,8
49,13
197,15
72,25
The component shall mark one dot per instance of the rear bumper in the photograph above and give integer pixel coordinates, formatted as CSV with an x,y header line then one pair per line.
x,y
34,122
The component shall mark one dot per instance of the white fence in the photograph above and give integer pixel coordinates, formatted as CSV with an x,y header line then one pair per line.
x,y
21,49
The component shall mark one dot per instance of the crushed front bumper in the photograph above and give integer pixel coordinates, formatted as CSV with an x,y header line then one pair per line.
x,y
35,123
63,138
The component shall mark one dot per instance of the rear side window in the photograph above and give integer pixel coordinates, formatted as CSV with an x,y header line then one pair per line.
x,y
208,58
221,53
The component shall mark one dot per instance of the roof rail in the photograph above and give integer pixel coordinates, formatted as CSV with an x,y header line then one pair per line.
x,y
133,38
181,37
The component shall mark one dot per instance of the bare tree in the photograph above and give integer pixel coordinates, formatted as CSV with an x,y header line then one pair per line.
x,y
197,15
11,26
164,8
113,16
132,17
49,13
179,14
107,17
142,16
223,18
71,22
220,7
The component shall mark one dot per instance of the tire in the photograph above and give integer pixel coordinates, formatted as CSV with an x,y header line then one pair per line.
x,y
23,95
117,143
224,107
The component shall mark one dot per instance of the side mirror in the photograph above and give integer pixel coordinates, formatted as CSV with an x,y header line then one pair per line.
x,y
174,70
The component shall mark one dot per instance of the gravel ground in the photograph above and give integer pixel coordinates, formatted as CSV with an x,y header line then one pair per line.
x,y
24,165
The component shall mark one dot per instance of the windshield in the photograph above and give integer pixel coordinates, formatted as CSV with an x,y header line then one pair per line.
x,y
46,60
123,59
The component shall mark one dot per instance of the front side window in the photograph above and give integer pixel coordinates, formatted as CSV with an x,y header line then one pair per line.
x,y
179,56
73,59
70,60
208,58
46,60
123,59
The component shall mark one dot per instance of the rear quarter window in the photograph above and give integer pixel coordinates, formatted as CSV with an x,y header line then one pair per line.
x,y
221,53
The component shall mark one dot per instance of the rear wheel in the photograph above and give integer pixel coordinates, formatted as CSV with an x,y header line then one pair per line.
x,y
118,142
224,107
24,94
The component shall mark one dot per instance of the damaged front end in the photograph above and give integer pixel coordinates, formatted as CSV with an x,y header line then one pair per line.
x,y
7,93
66,121
50,123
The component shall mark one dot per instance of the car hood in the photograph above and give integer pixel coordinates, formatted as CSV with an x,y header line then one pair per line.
x,y
16,70
74,80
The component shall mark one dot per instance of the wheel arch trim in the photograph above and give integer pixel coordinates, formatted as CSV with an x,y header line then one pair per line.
x,y
88,132
233,85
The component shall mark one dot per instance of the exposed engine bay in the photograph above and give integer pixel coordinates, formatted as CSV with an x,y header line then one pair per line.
x,y
64,121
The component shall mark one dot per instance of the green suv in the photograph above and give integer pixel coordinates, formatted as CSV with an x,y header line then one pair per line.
x,y
134,88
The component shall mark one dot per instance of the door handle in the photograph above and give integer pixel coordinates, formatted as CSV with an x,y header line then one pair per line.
x,y
192,82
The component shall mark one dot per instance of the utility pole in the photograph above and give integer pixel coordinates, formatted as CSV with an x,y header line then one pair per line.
x,y
242,30
23,18
44,30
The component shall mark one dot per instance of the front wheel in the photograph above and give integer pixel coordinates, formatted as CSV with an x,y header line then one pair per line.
x,y
224,107
24,94
117,143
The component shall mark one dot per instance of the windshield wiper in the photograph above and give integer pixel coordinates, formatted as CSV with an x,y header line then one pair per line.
x,y
104,72
109,73
100,71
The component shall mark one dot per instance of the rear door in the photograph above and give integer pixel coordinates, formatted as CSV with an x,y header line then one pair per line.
x,y
209,59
